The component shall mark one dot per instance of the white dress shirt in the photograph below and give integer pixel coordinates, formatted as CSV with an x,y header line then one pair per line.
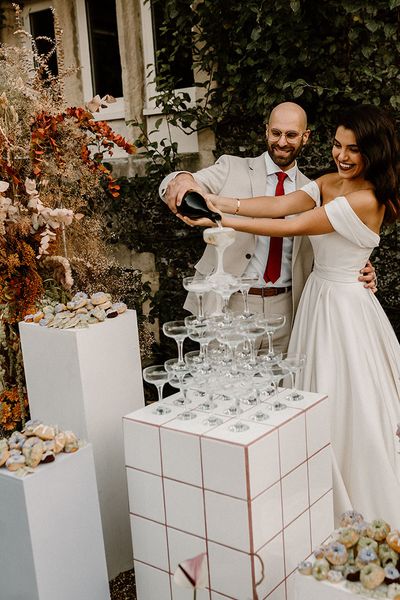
x,y
259,259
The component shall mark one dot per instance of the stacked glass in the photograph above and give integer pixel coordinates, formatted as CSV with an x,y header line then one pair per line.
x,y
223,376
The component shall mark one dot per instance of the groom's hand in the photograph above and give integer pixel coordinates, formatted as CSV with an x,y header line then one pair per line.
x,y
178,187
368,276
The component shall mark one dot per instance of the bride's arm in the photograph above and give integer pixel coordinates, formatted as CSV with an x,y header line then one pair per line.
x,y
264,206
312,222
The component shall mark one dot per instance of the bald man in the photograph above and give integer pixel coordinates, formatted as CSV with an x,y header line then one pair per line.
x,y
282,269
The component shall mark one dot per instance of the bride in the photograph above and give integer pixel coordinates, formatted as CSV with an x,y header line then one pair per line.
x,y
352,352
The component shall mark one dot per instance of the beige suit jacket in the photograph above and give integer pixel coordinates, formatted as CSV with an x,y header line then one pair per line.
x,y
243,177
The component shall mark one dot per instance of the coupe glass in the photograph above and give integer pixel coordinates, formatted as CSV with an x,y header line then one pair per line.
x,y
158,376
272,323
252,328
225,288
199,285
261,379
220,238
295,362
245,283
202,332
178,331
175,375
186,383
232,337
277,373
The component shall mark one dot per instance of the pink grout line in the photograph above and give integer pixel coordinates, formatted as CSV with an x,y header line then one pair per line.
x,y
165,512
205,514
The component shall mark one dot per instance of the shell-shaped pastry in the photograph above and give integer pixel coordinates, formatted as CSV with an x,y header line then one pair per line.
x,y
99,313
59,442
105,305
111,313
16,440
71,442
15,461
99,298
33,450
4,452
120,307
44,432
30,427
38,316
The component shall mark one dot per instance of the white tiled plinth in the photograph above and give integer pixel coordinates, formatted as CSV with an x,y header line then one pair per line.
x,y
86,380
51,543
256,501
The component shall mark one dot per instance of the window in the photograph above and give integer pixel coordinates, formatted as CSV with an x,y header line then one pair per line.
x,y
99,54
181,67
104,50
41,25
155,39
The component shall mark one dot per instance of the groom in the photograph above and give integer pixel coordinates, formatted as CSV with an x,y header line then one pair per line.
x,y
282,264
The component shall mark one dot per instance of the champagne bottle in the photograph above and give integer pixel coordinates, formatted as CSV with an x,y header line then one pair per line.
x,y
194,206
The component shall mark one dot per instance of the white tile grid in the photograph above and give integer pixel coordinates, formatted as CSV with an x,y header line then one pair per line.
x,y
271,557
142,446
233,529
263,467
318,426
184,507
258,433
292,444
146,496
297,541
150,543
151,583
295,494
181,458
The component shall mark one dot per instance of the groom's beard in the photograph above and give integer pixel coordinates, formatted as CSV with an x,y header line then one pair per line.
x,y
290,155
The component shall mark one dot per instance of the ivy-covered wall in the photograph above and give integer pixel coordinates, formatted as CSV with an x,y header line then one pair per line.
x,y
252,55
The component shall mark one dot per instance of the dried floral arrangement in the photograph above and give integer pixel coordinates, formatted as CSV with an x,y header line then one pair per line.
x,y
51,176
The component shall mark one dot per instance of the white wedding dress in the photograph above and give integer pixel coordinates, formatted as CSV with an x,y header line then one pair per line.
x,y
353,355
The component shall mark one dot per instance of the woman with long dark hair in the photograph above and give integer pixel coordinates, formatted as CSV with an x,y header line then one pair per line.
x,y
352,351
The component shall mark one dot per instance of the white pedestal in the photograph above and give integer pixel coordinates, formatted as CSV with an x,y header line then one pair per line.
x,y
307,588
86,380
259,497
51,543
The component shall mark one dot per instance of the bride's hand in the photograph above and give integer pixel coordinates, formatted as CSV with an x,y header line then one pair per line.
x,y
203,222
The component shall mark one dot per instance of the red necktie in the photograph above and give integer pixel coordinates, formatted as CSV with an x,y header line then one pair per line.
x,y
273,268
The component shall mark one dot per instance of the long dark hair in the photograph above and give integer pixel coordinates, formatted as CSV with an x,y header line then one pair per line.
x,y
377,140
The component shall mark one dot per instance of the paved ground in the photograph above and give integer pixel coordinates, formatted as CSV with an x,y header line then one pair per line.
x,y
123,586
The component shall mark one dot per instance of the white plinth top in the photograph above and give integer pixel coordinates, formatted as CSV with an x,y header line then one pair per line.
x,y
255,431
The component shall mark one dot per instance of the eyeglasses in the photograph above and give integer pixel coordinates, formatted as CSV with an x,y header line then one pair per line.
x,y
290,136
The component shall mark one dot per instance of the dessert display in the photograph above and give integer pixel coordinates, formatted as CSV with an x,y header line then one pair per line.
x,y
36,444
363,557
80,312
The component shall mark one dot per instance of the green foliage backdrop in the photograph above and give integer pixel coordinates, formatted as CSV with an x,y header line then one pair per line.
x,y
254,54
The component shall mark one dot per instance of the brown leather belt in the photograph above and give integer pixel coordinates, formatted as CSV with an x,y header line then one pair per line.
x,y
269,291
